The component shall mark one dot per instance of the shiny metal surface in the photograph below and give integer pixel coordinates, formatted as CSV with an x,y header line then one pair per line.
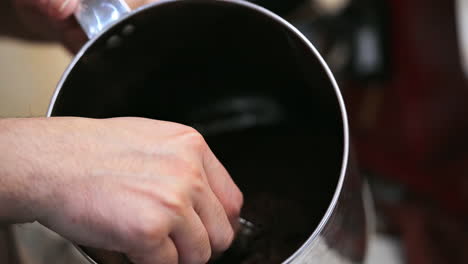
x,y
247,234
343,239
462,31
95,15
205,63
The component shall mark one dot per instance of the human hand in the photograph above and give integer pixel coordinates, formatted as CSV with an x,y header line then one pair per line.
x,y
54,20
150,189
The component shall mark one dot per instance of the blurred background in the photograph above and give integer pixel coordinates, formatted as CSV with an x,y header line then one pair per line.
x,y
29,73
401,67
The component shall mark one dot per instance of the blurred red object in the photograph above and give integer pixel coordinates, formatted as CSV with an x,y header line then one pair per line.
x,y
419,133
429,236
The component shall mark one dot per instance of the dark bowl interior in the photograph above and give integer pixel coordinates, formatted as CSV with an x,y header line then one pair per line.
x,y
252,87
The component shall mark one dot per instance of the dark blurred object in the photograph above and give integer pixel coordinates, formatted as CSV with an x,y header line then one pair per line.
x,y
417,133
398,64
399,67
351,35
8,252
429,235
412,130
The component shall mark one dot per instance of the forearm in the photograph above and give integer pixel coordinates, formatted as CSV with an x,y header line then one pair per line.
x,y
159,179
19,183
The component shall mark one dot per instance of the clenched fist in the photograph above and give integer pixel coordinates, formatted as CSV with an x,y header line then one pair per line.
x,y
150,189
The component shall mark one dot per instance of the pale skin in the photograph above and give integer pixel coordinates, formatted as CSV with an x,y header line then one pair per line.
x,y
150,189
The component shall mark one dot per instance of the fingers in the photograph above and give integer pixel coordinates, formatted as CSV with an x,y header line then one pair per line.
x,y
52,20
54,9
191,239
220,203
215,220
60,9
218,178
223,186
60,12
163,252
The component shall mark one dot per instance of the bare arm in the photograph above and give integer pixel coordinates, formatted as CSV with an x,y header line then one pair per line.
x,y
150,189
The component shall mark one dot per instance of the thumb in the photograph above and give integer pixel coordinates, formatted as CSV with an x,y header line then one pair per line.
x,y
59,9
51,9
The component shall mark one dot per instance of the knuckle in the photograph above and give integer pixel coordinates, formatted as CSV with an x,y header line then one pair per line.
x,y
193,172
198,186
193,177
149,230
195,139
60,9
177,202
